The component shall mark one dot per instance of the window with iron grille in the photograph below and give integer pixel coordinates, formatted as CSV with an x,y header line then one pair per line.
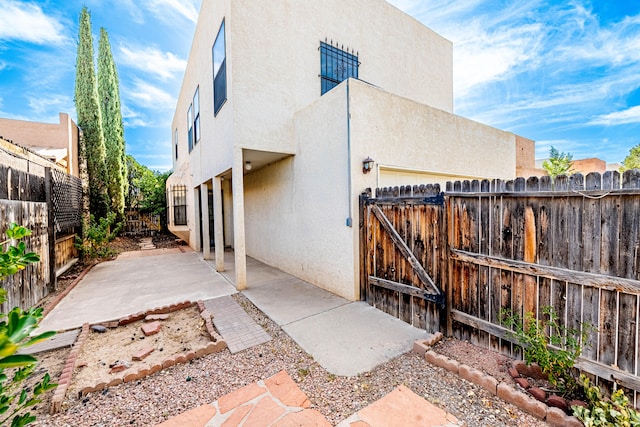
x,y
190,126
336,65
179,204
219,57
196,116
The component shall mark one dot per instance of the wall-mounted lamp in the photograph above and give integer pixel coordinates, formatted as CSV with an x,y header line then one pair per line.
x,y
367,165
248,166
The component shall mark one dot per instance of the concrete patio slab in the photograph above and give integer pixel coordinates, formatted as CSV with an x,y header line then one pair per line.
x,y
290,299
353,338
129,285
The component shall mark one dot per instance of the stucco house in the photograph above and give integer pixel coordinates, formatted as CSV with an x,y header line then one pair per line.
x,y
280,106
57,142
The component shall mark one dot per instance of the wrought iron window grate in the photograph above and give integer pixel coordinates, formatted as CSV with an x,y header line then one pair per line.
x,y
336,65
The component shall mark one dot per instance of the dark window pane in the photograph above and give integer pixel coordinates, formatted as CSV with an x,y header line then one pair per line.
x,y
219,70
336,65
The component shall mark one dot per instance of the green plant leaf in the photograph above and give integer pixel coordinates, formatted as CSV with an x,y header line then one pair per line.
x,y
17,360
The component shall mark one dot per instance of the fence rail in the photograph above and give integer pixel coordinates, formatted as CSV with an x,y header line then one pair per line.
x,y
521,245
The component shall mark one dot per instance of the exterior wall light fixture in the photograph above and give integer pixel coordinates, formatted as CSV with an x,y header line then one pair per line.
x,y
367,165
248,166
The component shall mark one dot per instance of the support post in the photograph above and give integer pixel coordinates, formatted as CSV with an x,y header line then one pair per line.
x,y
218,223
51,231
204,218
238,221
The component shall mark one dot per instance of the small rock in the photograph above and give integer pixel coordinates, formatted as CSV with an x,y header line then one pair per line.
x,y
522,382
99,329
558,402
513,372
538,393
188,379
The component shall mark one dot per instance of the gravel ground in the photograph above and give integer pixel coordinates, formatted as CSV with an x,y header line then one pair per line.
x,y
179,388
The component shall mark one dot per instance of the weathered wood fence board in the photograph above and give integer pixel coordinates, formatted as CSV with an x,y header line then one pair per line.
x,y
520,245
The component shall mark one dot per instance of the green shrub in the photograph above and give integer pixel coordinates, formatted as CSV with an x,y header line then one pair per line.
x,y
97,237
553,346
15,330
605,412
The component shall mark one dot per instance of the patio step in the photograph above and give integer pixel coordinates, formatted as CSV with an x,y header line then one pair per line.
x,y
278,401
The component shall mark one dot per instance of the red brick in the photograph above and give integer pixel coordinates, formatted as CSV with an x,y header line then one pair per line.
x,y
144,373
100,386
578,403
181,358
522,382
488,383
538,394
152,328
201,351
558,418
420,347
87,390
155,368
168,363
520,366
470,374
513,372
140,355
117,368
286,390
307,417
190,355
114,382
239,397
430,356
130,377
557,402
154,317
201,306
521,400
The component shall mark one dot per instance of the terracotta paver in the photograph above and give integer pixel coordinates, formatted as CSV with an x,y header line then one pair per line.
x,y
238,415
197,417
307,418
152,328
286,390
264,414
402,407
239,397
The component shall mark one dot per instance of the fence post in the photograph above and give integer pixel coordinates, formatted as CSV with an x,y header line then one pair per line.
x,y
51,232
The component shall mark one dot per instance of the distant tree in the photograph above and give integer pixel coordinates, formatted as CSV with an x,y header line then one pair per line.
x,y
89,118
558,163
147,191
113,128
632,161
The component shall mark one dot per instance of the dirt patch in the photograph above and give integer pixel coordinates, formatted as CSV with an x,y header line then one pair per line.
x,y
483,359
183,331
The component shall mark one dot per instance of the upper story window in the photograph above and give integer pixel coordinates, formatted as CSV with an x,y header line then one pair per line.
x,y
219,57
190,126
175,142
196,116
336,65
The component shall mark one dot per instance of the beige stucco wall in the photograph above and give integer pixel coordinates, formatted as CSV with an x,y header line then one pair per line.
x,y
45,135
296,209
399,133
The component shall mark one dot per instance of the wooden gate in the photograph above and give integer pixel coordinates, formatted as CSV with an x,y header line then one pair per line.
x,y
401,266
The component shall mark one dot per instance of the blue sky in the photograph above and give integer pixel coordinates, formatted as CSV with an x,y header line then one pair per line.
x,y
564,73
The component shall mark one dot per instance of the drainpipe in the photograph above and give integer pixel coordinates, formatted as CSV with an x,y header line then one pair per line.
x,y
349,218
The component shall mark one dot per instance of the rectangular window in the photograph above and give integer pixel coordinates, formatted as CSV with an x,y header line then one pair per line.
x,y
219,71
179,204
336,65
190,126
196,116
175,142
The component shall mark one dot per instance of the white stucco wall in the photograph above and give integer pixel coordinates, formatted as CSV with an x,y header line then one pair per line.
x,y
296,209
399,133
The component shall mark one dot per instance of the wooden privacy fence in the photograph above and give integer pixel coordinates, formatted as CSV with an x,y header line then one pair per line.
x,y
50,206
518,245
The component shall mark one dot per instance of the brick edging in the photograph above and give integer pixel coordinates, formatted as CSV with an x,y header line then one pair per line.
x,y
56,300
217,344
554,416
67,371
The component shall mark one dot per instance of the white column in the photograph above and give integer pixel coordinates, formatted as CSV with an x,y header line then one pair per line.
x,y
218,223
238,220
206,246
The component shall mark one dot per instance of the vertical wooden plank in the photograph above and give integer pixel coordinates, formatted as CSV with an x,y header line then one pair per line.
x,y
607,327
627,335
629,234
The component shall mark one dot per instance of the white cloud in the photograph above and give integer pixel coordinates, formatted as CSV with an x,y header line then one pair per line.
x,y
149,59
3,65
27,22
134,119
164,9
150,97
628,116
45,107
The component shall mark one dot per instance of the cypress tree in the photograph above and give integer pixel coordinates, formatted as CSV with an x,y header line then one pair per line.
x,y
109,96
89,118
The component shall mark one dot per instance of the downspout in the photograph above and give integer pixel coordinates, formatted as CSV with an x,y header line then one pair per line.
x,y
349,218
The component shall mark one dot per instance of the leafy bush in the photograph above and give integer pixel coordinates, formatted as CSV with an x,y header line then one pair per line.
x,y
555,352
97,237
15,329
605,412
15,258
